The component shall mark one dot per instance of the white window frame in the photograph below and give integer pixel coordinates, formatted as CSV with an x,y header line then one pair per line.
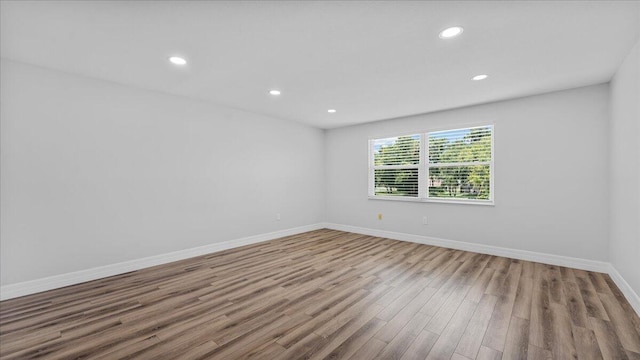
x,y
424,165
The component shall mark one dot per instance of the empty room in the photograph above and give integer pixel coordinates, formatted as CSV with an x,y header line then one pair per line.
x,y
320,180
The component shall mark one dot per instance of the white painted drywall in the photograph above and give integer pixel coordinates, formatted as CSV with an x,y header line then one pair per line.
x,y
551,181
624,143
94,173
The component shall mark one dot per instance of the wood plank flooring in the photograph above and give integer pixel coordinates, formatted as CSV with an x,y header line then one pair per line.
x,y
329,295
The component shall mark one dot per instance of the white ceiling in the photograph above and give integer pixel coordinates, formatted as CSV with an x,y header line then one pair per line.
x,y
368,60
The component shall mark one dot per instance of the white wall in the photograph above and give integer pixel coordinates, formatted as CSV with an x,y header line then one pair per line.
x,y
94,173
625,169
551,181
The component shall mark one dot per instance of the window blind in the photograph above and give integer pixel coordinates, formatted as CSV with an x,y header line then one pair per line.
x,y
396,165
460,163
450,165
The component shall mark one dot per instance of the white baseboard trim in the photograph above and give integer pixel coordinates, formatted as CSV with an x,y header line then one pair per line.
x,y
558,260
590,265
627,291
53,282
58,281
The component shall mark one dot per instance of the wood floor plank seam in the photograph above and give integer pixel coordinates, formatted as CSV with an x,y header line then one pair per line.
x,y
328,294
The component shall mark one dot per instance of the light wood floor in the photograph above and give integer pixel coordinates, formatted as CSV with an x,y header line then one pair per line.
x,y
329,295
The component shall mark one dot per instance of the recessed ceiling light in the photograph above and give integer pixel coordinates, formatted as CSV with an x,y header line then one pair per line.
x,y
331,111
178,60
450,32
274,92
480,77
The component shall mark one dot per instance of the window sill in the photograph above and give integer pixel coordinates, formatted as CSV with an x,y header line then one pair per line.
x,y
408,199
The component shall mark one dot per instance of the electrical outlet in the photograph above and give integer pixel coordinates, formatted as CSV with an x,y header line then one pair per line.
x,y
424,220
278,216
380,216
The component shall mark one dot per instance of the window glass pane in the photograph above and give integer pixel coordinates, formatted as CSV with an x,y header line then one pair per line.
x,y
400,150
459,182
396,182
462,145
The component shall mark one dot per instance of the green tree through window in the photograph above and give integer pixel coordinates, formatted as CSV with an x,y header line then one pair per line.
x,y
400,156
460,163
458,166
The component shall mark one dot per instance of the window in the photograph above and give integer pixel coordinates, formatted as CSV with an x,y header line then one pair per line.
x,y
446,166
